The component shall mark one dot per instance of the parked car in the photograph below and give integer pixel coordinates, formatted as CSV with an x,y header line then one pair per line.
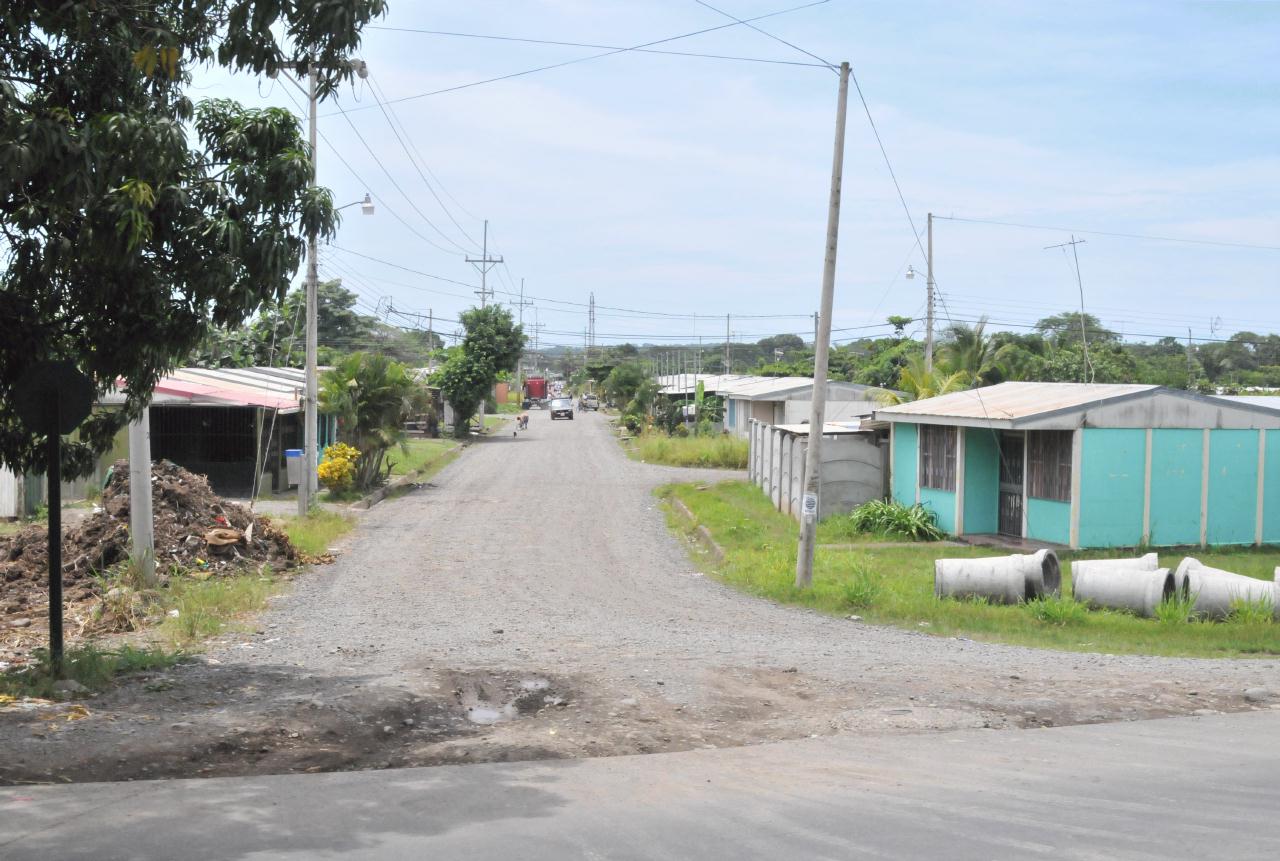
x,y
590,402
561,408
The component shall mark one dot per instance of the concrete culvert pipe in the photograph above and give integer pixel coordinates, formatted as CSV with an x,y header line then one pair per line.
x,y
999,579
1213,590
1085,570
1138,590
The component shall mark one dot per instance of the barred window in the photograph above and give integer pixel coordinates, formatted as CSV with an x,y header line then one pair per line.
x,y
938,457
1049,465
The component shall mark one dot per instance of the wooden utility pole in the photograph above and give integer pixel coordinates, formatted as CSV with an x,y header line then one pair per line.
x,y
817,415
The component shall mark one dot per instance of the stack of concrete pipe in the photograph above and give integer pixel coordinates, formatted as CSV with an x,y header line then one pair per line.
x,y
1138,585
1214,590
999,579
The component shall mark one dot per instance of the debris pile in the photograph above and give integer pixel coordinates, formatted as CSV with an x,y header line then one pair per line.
x,y
194,529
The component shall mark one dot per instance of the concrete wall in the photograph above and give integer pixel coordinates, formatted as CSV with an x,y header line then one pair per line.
x,y
1233,487
1048,520
943,504
797,412
1167,486
904,462
852,469
1271,489
1112,486
1176,471
981,481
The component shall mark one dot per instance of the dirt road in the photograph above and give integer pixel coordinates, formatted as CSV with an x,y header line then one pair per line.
x,y
531,603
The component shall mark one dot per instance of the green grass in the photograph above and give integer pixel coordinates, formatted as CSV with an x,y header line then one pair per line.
x,y
894,585
10,527
422,453
209,607
90,666
315,533
723,452
510,408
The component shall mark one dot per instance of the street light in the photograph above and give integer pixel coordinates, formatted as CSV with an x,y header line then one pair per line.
x,y
311,435
366,206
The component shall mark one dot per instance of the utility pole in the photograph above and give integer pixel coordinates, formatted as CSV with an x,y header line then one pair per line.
x,y
483,263
521,306
591,323
728,351
1191,370
141,520
817,415
815,329
1087,371
311,435
929,295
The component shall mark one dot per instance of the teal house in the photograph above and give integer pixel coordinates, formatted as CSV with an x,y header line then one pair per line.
x,y
1090,465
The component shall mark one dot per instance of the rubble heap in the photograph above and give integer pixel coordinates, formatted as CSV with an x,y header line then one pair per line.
x,y
194,529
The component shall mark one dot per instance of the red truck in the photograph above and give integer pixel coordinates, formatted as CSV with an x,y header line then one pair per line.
x,y
535,392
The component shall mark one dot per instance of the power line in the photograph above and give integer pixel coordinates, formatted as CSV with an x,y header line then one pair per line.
x,y
825,63
613,48
610,53
1115,234
388,112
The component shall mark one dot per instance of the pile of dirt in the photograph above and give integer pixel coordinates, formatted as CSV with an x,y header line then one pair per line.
x,y
194,528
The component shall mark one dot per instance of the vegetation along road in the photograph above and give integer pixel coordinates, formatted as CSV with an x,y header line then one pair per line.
x,y
532,603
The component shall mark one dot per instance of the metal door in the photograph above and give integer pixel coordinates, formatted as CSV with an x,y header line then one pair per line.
x,y
1012,461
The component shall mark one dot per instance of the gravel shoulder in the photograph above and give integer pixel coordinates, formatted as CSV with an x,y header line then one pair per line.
x,y
529,603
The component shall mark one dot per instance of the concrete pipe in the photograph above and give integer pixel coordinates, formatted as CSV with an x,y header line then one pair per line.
x,y
1213,590
1139,590
999,579
1085,570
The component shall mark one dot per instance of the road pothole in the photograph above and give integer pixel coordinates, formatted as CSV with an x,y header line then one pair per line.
x,y
489,698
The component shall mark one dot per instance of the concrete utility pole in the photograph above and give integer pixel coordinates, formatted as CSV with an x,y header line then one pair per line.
x,y
591,323
141,520
309,481
728,351
929,290
817,415
483,263
311,432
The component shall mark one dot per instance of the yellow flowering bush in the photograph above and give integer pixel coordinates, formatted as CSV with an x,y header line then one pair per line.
x,y
337,470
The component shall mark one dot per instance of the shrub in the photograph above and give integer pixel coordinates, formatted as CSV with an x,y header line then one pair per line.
x,y
337,470
862,589
1175,609
1252,612
882,517
1057,610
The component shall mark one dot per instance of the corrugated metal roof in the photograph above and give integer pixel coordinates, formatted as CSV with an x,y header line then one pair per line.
x,y
1271,402
273,388
1013,401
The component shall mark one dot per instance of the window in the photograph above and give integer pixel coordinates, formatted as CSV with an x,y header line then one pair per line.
x,y
1049,465
938,457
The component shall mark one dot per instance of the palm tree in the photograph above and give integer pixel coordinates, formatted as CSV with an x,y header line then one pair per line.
x,y
372,396
916,383
969,350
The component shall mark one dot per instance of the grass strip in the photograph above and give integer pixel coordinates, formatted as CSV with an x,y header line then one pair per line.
x,y
895,586
716,452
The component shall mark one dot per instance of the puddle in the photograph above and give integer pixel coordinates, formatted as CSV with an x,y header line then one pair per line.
x,y
488,699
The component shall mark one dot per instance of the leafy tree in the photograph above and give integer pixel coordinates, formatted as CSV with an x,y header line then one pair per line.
x,y
492,344
623,382
372,396
133,219
1064,328
899,325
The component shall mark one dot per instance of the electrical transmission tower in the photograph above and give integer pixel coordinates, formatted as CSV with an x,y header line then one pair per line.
x,y
483,264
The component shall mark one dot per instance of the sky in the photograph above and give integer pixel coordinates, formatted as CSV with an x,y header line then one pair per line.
x,y
683,189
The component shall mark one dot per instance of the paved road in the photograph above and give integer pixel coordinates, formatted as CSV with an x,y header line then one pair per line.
x,y
1192,788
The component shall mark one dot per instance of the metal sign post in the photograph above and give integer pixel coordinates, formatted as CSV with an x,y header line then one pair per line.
x,y
53,398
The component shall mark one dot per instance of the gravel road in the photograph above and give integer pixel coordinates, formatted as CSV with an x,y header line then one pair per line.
x,y
532,603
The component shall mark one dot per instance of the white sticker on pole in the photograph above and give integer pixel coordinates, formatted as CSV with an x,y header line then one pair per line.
x,y
810,508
